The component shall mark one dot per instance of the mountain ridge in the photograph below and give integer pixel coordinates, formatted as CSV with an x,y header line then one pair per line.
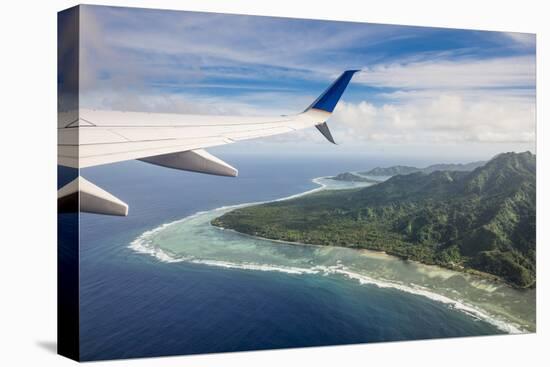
x,y
482,220
405,170
352,177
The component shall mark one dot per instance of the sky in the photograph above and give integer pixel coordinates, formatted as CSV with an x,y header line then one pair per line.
x,y
432,93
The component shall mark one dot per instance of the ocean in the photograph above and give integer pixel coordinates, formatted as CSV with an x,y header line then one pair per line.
x,y
162,281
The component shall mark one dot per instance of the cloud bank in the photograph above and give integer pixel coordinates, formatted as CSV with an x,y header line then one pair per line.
x,y
419,86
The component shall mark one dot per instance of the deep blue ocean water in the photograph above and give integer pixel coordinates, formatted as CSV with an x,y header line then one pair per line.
x,y
133,305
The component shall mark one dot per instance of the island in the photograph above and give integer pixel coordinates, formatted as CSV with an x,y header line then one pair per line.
x,y
405,170
352,177
480,221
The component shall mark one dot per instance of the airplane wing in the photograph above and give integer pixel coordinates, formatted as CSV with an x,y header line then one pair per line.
x,y
169,140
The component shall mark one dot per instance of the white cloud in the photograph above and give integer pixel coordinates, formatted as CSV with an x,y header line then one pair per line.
x,y
245,103
486,73
524,40
442,101
434,99
443,118
177,47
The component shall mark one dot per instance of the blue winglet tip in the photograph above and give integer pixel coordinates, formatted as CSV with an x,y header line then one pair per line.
x,y
330,97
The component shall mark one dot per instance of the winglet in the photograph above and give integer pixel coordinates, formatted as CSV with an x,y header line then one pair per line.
x,y
323,128
330,97
328,100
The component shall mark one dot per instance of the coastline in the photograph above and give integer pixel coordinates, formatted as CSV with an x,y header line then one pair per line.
x,y
141,245
483,275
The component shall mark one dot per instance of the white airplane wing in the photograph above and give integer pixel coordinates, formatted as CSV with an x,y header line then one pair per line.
x,y
169,140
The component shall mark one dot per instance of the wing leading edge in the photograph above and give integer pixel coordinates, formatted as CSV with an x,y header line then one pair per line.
x,y
175,141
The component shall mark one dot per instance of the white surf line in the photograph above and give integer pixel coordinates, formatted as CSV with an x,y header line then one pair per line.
x,y
461,306
140,245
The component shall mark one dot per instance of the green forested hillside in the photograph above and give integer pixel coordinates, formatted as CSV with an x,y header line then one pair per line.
x,y
405,170
482,220
351,177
